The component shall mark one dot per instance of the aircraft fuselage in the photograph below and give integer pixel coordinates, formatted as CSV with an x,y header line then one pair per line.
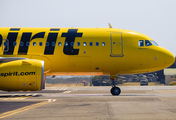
x,y
85,51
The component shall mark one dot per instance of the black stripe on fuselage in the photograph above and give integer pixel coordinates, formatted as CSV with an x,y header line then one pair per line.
x,y
70,37
12,36
26,37
52,37
0,40
24,49
38,35
54,29
14,29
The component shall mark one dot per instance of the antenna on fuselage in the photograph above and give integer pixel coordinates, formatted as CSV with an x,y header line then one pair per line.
x,y
109,25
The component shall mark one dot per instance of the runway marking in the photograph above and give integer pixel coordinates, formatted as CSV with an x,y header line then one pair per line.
x,y
60,88
67,92
75,95
9,113
34,95
51,100
63,88
17,97
27,95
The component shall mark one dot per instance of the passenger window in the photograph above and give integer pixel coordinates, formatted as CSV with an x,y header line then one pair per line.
x,y
14,43
148,43
21,43
53,44
5,43
66,43
141,43
103,43
91,43
59,43
78,43
27,43
34,44
97,43
40,43
84,44
72,43
47,44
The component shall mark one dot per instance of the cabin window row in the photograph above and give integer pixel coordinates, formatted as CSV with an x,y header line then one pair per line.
x,y
60,44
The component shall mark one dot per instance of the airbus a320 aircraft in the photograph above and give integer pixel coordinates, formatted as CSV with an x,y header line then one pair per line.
x,y
27,55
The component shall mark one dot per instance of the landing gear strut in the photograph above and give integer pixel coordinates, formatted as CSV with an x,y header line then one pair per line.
x,y
114,90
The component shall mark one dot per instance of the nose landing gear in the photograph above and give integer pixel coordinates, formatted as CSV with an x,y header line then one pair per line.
x,y
114,90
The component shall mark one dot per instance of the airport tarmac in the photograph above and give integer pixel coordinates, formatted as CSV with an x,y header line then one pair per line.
x,y
90,103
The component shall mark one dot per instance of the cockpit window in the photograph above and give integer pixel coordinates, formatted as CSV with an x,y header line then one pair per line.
x,y
153,42
148,43
141,43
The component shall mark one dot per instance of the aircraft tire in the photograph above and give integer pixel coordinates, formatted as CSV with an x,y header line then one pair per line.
x,y
115,91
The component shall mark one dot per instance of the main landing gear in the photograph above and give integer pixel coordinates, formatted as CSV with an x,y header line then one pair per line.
x,y
114,90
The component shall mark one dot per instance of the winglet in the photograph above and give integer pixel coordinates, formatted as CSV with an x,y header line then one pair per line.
x,y
110,25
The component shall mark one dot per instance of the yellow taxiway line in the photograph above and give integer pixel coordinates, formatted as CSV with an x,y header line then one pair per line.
x,y
9,113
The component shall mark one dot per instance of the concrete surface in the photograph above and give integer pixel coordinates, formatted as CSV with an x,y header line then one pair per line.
x,y
90,103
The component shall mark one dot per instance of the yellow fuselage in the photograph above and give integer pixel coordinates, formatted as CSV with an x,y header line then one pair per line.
x,y
85,51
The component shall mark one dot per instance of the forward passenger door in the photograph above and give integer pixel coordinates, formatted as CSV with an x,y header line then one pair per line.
x,y
116,45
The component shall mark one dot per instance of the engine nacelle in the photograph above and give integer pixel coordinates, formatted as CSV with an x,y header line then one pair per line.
x,y
22,75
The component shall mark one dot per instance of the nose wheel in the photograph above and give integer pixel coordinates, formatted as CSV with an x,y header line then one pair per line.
x,y
114,90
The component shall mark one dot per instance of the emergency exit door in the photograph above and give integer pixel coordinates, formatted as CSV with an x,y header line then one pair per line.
x,y
116,45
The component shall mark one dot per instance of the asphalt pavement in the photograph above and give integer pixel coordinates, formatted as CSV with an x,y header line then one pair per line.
x,y
90,103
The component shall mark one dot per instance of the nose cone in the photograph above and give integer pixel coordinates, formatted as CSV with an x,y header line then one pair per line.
x,y
169,58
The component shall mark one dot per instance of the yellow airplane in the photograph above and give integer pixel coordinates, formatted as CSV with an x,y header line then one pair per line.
x,y
27,55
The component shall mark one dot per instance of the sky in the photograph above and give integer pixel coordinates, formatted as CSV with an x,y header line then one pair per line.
x,y
155,18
